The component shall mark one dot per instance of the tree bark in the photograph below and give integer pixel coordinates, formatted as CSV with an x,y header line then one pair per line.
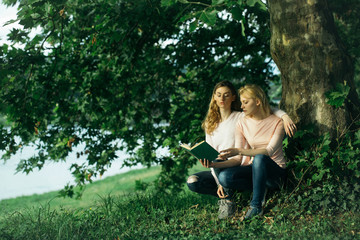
x,y
312,60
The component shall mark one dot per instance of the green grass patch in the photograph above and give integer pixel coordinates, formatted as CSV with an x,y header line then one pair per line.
x,y
146,215
112,209
121,184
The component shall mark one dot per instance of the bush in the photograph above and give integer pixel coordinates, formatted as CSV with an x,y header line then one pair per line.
x,y
324,174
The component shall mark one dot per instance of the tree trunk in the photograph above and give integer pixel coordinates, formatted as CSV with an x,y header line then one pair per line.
x,y
312,60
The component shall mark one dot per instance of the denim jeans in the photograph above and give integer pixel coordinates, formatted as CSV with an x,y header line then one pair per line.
x,y
263,173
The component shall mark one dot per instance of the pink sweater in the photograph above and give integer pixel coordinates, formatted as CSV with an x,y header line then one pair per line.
x,y
266,134
223,136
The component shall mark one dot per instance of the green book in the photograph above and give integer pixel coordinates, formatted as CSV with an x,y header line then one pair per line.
x,y
202,150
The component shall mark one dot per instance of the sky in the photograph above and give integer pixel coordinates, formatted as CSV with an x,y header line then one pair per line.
x,y
6,14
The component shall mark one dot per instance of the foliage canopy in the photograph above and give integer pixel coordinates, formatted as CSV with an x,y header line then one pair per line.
x,y
132,76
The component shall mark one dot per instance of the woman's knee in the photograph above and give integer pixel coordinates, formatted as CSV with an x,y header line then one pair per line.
x,y
193,183
225,179
192,179
259,160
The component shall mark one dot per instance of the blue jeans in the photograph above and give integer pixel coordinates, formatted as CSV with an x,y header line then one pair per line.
x,y
263,173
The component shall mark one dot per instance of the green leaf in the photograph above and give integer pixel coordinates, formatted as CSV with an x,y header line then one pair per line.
x,y
285,142
357,137
209,17
338,96
47,8
167,3
5,48
217,2
251,3
36,96
193,25
237,13
10,22
183,1
261,5
167,142
186,17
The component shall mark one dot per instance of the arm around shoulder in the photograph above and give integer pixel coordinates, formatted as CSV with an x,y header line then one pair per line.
x,y
289,125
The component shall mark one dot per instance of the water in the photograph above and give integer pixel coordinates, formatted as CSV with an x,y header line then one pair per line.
x,y
52,177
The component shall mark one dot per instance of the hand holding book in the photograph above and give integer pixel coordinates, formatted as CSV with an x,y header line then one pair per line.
x,y
206,163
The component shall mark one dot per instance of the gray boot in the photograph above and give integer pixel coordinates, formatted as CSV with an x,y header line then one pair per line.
x,y
226,208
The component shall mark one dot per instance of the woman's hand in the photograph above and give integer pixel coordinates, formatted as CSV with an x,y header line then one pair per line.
x,y
289,125
230,152
206,163
220,192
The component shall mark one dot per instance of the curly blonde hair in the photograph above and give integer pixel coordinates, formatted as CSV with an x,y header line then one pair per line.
x,y
213,117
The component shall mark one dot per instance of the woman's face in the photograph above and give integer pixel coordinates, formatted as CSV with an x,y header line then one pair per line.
x,y
249,105
223,97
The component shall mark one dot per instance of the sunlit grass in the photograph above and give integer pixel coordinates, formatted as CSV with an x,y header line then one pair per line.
x,y
112,209
121,184
147,215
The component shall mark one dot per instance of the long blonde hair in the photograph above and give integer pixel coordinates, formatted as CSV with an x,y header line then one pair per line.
x,y
256,92
213,116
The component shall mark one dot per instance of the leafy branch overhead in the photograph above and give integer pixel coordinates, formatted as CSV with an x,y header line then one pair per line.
x,y
135,77
121,76
208,14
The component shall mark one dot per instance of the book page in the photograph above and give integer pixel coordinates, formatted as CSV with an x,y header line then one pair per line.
x,y
197,144
185,146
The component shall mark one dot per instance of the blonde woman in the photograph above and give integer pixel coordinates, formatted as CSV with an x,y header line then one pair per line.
x,y
258,143
219,125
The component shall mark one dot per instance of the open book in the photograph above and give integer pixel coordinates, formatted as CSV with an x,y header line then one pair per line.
x,y
202,150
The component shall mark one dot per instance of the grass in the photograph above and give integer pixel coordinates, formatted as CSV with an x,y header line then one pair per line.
x,y
121,184
111,209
